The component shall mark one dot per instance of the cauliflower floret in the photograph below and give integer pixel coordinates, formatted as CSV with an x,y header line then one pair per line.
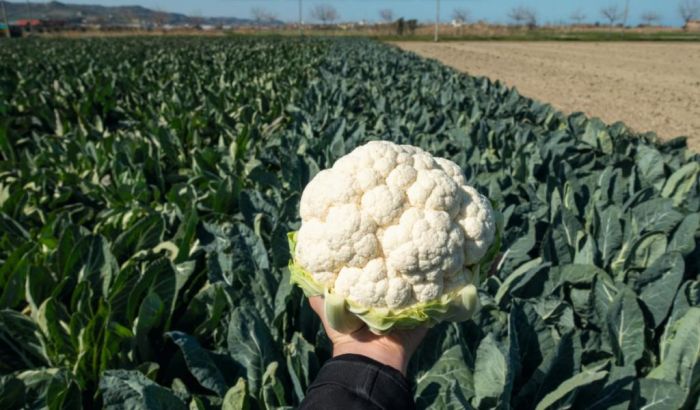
x,y
398,294
366,286
328,188
346,237
402,176
423,161
452,170
434,189
390,226
424,243
384,204
478,223
428,291
366,179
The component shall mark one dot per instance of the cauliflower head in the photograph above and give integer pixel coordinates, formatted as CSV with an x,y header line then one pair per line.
x,y
393,234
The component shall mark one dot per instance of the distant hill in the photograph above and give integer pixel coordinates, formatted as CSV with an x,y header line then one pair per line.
x,y
55,10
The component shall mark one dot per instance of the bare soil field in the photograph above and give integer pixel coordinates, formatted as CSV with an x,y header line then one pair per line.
x,y
648,86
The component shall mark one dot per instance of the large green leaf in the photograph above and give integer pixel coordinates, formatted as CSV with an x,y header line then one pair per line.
x,y
237,397
683,239
615,394
658,284
567,389
302,364
657,215
150,316
94,263
626,328
561,362
609,234
495,369
200,363
272,393
438,386
681,182
50,388
250,343
20,347
123,389
680,355
655,394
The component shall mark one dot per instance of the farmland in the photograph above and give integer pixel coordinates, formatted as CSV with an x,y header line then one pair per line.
x,y
648,86
147,186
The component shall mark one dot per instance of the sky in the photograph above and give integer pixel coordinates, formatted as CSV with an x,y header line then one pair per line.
x,y
548,11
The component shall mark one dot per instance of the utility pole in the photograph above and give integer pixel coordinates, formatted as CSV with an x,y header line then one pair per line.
x,y
627,10
301,19
437,18
29,16
4,17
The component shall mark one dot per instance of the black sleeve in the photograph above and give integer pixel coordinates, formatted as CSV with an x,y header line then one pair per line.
x,y
350,382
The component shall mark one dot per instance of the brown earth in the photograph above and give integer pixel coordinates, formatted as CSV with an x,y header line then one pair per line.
x,y
648,86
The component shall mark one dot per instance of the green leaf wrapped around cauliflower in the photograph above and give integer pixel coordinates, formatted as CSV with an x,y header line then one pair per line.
x,y
393,236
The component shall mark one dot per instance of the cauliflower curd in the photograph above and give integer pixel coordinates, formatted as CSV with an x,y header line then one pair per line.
x,y
390,226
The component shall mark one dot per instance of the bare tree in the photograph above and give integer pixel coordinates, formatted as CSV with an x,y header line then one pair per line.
x,y
612,13
325,13
261,15
650,17
461,16
578,17
689,10
387,15
523,15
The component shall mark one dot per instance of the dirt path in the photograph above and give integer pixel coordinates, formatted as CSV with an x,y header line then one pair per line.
x,y
648,86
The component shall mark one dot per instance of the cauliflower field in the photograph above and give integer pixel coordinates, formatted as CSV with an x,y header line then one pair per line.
x,y
147,187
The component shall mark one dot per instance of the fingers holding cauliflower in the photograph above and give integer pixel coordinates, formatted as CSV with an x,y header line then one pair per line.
x,y
393,230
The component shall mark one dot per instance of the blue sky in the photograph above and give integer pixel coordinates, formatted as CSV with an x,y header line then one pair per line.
x,y
424,10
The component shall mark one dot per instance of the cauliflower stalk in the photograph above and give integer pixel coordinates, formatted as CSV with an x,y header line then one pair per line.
x,y
392,237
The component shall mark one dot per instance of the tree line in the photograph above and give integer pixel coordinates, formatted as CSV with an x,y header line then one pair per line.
x,y
526,16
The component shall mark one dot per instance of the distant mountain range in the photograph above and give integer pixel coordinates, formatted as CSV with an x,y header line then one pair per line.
x,y
55,10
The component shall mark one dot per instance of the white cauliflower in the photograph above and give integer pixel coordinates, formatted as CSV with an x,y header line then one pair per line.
x,y
389,226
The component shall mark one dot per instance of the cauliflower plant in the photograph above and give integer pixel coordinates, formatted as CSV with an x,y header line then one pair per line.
x,y
394,235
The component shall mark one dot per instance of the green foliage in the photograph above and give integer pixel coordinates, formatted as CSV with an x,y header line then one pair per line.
x,y
147,187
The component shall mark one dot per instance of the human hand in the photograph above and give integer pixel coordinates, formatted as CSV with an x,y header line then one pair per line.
x,y
393,349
